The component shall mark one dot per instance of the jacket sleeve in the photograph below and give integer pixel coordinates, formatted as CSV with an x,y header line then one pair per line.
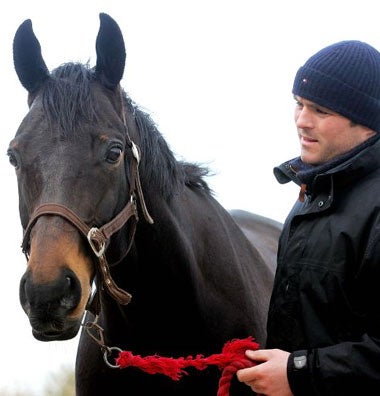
x,y
350,368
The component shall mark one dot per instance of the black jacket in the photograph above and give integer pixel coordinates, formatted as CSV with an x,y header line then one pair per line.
x,y
326,298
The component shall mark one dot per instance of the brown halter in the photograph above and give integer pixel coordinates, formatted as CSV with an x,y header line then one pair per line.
x,y
98,237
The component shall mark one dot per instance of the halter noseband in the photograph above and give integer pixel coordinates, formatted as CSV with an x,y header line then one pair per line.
x,y
98,237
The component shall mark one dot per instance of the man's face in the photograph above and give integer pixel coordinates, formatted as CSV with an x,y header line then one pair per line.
x,y
324,134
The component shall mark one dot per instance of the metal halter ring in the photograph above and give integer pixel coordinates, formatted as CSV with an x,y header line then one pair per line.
x,y
135,152
107,353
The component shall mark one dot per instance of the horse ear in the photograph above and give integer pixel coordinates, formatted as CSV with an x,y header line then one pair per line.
x,y
29,64
110,52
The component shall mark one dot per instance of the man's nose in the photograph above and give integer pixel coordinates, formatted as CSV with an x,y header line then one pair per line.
x,y
303,118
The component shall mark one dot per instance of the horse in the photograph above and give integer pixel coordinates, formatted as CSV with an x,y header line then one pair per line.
x,y
125,243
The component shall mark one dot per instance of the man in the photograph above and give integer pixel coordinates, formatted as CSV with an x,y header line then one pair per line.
x,y
324,316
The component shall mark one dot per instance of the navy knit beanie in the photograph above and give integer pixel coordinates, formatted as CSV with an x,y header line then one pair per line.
x,y
345,78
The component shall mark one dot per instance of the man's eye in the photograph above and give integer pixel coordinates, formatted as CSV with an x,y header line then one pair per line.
x,y
321,111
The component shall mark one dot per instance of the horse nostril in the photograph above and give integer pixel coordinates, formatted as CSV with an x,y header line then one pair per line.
x,y
23,294
71,292
69,282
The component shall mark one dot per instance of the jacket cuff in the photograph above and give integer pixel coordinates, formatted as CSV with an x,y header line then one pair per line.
x,y
298,371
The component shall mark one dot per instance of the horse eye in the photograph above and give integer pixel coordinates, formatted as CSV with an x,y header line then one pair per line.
x,y
12,159
114,154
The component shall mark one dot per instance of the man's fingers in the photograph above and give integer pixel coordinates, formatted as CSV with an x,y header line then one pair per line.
x,y
257,356
245,375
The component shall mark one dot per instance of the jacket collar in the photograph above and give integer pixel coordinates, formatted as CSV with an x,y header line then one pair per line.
x,y
366,154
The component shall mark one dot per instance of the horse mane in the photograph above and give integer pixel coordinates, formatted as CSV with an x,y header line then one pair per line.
x,y
68,102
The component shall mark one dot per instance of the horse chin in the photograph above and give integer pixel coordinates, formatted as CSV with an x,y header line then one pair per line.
x,y
67,333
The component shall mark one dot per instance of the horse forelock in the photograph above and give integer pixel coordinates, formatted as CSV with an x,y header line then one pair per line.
x,y
67,97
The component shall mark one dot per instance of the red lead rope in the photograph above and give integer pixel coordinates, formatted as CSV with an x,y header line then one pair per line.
x,y
230,360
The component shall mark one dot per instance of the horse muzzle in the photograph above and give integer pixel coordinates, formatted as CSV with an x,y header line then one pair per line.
x,y
49,306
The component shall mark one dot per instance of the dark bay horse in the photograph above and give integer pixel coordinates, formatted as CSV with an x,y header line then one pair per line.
x,y
104,202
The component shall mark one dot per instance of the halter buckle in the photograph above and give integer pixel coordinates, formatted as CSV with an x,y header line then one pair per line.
x,y
98,251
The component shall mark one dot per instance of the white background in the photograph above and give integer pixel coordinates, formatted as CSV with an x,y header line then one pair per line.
x,y
215,75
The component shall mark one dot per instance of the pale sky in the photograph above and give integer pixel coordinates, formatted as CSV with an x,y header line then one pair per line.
x,y
215,75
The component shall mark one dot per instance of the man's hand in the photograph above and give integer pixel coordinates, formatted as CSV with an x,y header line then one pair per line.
x,y
269,376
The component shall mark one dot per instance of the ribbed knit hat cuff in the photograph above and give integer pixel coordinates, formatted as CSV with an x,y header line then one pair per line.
x,y
328,92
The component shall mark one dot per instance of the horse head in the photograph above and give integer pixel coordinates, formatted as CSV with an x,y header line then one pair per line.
x,y
71,151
